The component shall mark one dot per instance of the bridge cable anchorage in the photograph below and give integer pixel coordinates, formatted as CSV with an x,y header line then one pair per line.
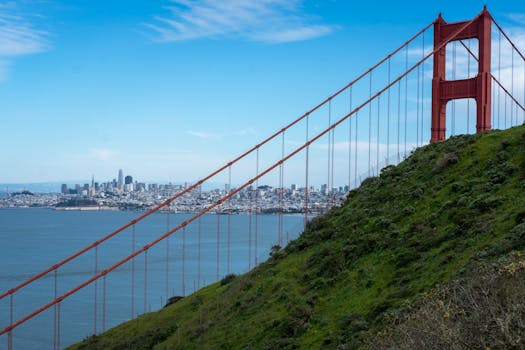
x,y
214,205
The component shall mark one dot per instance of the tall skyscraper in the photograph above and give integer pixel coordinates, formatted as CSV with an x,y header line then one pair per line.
x,y
120,178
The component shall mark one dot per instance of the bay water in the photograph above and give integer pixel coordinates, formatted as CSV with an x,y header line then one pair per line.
x,y
33,239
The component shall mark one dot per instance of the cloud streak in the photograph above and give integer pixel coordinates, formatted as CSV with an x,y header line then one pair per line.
x,y
18,36
102,154
271,21
201,134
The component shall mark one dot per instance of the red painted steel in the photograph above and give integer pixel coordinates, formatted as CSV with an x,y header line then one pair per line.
x,y
213,206
495,79
211,175
478,87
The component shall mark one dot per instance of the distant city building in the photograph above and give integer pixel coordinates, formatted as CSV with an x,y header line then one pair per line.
x,y
128,180
64,189
120,178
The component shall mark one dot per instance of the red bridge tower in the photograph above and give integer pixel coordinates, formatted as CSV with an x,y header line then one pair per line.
x,y
478,87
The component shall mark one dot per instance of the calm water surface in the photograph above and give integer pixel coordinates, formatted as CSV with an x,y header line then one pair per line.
x,y
32,240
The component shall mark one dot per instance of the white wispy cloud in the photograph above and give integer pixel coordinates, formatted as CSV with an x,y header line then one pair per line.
x,y
517,17
18,36
273,21
201,134
247,131
102,154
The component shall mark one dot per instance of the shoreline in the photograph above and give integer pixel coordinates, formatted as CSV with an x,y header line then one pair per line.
x,y
97,208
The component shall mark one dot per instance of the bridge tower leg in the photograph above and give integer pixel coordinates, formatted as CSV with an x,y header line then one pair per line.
x,y
478,87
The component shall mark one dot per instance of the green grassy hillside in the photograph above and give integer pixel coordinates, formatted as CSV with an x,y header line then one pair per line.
x,y
449,206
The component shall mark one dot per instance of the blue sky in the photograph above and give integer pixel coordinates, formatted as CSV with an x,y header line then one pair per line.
x,y
169,90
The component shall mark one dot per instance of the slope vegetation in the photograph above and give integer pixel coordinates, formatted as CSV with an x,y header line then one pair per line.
x,y
449,207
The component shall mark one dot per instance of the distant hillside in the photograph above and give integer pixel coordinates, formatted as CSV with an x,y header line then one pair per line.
x,y
393,251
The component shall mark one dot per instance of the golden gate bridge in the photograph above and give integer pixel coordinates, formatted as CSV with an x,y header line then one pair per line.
x,y
471,79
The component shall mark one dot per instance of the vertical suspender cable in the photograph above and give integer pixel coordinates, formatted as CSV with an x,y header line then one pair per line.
x,y
453,78
183,263
350,141
166,276
306,174
132,272
255,252
95,285
229,220
218,243
388,116
250,209
378,135
422,88
512,87
332,193
55,326
355,148
10,333
370,127
406,101
58,327
468,100
145,281
505,109
417,104
199,237
499,78
281,194
329,148
104,303
398,117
